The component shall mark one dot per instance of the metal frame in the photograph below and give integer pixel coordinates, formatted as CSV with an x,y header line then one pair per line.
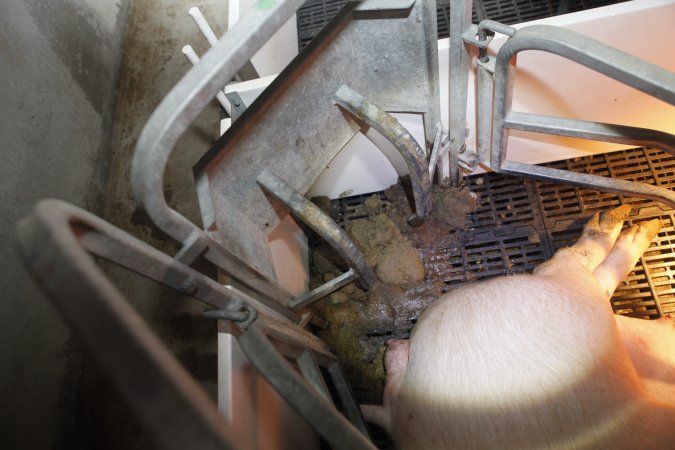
x,y
460,64
57,241
238,217
173,116
492,138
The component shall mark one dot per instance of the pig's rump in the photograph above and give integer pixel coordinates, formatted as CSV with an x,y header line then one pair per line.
x,y
523,362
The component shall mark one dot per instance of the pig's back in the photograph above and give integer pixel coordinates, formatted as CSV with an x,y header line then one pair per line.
x,y
518,362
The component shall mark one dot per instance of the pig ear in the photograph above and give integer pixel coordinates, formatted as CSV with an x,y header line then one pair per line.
x,y
376,414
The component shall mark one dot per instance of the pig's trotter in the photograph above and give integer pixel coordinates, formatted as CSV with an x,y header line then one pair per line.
x,y
595,243
627,250
599,236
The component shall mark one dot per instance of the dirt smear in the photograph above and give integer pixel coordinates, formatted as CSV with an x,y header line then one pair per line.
x,y
362,322
450,206
392,256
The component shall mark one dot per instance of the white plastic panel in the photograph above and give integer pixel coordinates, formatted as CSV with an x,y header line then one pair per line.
x,y
278,51
368,163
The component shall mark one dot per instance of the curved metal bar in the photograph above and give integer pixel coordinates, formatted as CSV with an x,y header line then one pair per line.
x,y
623,187
178,110
186,101
390,128
625,68
318,221
114,245
303,397
605,132
159,390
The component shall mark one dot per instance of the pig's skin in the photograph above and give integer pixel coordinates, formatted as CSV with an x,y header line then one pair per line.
x,y
537,361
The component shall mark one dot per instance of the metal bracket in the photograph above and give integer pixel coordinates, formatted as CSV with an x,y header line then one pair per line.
x,y
238,105
195,245
468,160
243,315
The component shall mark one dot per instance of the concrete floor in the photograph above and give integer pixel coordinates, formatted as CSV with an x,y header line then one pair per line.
x,y
69,127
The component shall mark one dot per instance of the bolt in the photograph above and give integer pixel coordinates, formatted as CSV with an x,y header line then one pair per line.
x,y
188,287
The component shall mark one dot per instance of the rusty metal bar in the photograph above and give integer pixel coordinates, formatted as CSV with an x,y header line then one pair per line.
x,y
390,128
623,187
318,221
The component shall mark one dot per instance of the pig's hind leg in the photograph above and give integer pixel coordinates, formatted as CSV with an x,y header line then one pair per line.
x,y
395,363
595,244
610,254
629,246
604,252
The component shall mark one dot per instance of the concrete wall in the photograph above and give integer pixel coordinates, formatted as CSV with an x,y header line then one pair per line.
x,y
152,63
59,91
59,61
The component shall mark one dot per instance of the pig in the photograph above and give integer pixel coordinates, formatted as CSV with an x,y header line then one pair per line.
x,y
537,361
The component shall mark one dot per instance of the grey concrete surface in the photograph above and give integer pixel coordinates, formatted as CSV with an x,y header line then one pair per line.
x,y
58,68
59,62
151,65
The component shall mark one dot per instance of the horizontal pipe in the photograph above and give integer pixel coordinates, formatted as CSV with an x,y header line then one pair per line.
x,y
597,131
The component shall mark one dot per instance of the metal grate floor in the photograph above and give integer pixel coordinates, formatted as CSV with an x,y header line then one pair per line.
x,y
315,14
520,223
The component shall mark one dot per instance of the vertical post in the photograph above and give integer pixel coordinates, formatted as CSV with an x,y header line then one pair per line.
x,y
460,20
225,355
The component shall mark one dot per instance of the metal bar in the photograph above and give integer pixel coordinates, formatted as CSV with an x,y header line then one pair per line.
x,y
186,101
112,244
312,373
625,68
484,26
410,150
606,132
652,288
296,337
484,84
317,411
102,239
623,187
242,272
435,150
344,392
192,56
460,21
321,223
324,289
157,388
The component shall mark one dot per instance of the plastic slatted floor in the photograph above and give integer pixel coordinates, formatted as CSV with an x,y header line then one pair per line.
x,y
521,223
315,14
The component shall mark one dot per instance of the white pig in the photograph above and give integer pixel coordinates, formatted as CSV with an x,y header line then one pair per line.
x,y
537,361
